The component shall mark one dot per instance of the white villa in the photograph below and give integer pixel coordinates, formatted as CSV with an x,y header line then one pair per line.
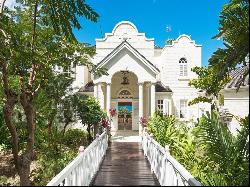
x,y
142,77
237,102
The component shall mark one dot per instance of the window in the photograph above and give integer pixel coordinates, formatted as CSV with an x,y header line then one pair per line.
x,y
183,108
183,67
160,105
125,94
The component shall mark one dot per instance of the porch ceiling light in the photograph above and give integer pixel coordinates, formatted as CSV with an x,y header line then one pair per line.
x,y
125,77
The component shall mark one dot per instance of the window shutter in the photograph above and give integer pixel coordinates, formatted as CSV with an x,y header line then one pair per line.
x,y
181,70
165,107
185,70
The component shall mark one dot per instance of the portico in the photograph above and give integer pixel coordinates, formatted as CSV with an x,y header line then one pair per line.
x,y
113,94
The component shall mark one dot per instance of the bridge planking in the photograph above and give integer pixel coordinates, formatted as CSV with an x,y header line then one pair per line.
x,y
125,165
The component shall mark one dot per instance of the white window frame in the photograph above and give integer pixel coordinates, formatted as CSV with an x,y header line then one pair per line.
x,y
183,70
166,107
160,104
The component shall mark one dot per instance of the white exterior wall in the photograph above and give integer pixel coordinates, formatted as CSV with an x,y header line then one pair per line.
x,y
168,63
238,104
81,77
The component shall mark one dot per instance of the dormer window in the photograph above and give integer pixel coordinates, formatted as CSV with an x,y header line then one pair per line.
x,y
183,67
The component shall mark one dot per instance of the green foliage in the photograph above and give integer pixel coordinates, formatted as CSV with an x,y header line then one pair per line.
x,y
5,138
208,82
234,31
224,149
51,163
169,41
221,99
56,153
64,14
88,111
209,151
35,38
75,138
163,129
124,112
199,100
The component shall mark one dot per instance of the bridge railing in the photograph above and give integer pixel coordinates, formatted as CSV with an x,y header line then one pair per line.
x,y
82,169
168,171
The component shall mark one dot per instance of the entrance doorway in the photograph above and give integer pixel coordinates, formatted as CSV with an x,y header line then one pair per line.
x,y
124,115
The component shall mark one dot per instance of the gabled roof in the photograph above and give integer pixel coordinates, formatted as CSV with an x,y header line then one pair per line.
x,y
126,45
159,87
238,78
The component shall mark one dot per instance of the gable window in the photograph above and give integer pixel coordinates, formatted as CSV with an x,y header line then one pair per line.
x,y
125,94
183,108
183,67
160,105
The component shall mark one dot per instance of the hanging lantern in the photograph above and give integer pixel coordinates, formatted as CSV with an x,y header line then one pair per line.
x,y
125,77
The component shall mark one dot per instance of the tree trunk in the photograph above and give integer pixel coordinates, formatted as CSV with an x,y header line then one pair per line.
x,y
27,157
89,134
8,116
22,163
24,169
64,128
50,125
96,130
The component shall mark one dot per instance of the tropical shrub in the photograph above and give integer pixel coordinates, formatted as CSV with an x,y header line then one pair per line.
x,y
89,112
226,153
74,138
57,154
209,151
51,162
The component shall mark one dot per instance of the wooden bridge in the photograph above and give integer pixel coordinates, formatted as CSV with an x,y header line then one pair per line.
x,y
123,162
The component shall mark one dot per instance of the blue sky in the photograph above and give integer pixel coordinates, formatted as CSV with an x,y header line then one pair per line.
x,y
197,18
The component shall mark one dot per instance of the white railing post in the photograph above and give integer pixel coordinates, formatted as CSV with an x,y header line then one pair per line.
x,y
151,153
81,150
167,149
82,169
168,171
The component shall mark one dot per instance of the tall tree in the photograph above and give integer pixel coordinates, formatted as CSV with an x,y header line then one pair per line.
x,y
234,32
89,112
30,48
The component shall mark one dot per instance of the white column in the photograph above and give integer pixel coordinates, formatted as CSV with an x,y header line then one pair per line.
x,y
170,106
100,96
108,99
95,91
149,100
140,105
152,99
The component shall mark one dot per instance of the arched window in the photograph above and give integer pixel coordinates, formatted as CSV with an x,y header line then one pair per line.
x,y
125,94
183,67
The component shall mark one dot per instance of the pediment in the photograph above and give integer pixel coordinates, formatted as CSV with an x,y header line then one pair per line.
x,y
128,49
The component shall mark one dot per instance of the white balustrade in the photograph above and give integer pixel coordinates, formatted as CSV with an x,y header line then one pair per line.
x,y
168,171
82,169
